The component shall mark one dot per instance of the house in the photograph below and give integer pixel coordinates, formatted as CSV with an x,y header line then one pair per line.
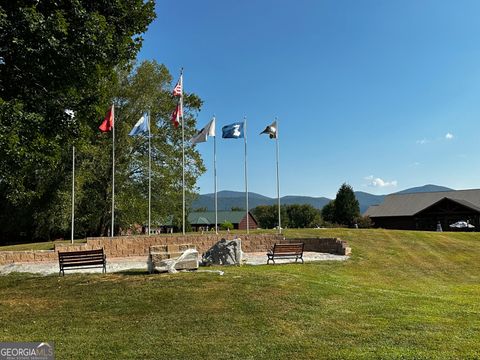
x,y
423,211
205,220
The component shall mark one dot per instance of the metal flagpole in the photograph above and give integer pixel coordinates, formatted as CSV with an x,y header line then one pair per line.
x,y
246,177
73,190
215,176
149,177
278,183
183,158
113,169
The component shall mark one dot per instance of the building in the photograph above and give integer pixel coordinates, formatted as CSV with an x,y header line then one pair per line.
x,y
423,211
205,220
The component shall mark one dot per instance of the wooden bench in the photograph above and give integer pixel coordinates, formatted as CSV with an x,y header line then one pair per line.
x,y
286,251
82,260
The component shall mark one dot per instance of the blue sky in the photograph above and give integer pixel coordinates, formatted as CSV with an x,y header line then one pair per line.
x,y
383,95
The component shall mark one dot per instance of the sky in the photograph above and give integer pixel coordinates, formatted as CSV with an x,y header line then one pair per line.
x,y
382,95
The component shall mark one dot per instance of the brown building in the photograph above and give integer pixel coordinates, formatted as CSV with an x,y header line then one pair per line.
x,y
424,211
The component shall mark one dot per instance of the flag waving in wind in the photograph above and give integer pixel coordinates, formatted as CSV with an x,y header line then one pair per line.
x,y
107,123
233,131
177,114
142,126
202,135
178,89
271,130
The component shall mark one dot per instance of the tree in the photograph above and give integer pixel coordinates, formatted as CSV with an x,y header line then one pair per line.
x,y
302,216
147,87
346,208
328,212
55,56
267,216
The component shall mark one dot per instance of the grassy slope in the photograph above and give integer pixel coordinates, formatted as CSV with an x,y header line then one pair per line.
x,y
46,245
402,295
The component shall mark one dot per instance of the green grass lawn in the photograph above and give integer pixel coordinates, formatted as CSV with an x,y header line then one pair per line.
x,y
402,295
46,245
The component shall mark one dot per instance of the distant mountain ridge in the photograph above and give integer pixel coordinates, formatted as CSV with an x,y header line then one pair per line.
x,y
229,199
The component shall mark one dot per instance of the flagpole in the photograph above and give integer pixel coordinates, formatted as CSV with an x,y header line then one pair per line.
x,y
215,177
183,159
246,177
149,177
113,170
278,183
73,190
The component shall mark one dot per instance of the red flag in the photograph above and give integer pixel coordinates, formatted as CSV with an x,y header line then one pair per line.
x,y
177,113
107,123
177,90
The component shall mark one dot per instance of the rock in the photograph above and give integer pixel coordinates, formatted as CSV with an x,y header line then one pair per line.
x,y
224,252
162,260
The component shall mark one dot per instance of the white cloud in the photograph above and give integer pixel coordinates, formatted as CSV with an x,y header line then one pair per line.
x,y
449,136
423,141
380,183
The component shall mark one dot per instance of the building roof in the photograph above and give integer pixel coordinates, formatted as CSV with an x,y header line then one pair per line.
x,y
411,204
208,217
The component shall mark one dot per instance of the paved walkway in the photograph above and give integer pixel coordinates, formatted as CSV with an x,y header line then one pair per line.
x,y
140,262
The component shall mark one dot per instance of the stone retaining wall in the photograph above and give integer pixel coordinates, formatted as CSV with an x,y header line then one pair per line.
x,y
123,246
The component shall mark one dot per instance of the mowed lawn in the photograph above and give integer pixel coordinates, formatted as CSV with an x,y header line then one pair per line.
x,y
402,295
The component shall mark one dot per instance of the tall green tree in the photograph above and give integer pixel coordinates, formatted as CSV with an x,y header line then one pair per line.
x,y
147,88
267,216
55,55
346,208
303,216
328,212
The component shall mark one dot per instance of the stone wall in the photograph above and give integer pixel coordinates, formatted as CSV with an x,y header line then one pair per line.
x,y
123,246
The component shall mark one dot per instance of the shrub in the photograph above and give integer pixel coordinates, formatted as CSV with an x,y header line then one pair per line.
x,y
227,225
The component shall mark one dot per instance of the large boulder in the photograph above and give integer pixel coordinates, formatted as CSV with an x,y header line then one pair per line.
x,y
224,252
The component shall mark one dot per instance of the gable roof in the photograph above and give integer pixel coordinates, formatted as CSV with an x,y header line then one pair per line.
x,y
411,204
208,217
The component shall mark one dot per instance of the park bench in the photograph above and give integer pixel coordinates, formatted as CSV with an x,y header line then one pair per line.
x,y
85,259
286,251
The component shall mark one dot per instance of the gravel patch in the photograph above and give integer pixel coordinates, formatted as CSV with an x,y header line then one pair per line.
x,y
140,263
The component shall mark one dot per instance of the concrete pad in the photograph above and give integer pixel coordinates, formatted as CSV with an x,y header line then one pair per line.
x,y
140,263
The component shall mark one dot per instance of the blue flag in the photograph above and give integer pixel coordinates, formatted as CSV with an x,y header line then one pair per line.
x,y
142,126
233,131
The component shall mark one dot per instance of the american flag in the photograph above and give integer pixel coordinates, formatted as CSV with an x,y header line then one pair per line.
x,y
177,91
177,113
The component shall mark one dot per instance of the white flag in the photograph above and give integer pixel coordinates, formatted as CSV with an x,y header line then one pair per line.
x,y
202,135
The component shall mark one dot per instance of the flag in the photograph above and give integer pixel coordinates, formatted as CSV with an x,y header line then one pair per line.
x,y
70,113
233,131
178,89
271,130
202,135
142,126
177,114
107,123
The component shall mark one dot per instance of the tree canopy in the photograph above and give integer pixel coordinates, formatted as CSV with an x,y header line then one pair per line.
x,y
79,55
294,216
345,209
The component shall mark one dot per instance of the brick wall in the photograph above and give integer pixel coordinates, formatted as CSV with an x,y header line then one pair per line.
x,y
123,246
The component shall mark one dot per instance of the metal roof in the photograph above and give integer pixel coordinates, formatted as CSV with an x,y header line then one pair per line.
x,y
208,217
411,204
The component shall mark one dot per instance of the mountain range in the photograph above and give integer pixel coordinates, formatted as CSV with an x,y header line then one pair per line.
x,y
236,199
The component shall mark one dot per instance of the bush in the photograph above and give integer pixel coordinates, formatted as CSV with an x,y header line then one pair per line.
x,y
227,225
364,222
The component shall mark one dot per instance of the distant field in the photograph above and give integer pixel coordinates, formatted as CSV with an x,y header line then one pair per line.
x,y
402,295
